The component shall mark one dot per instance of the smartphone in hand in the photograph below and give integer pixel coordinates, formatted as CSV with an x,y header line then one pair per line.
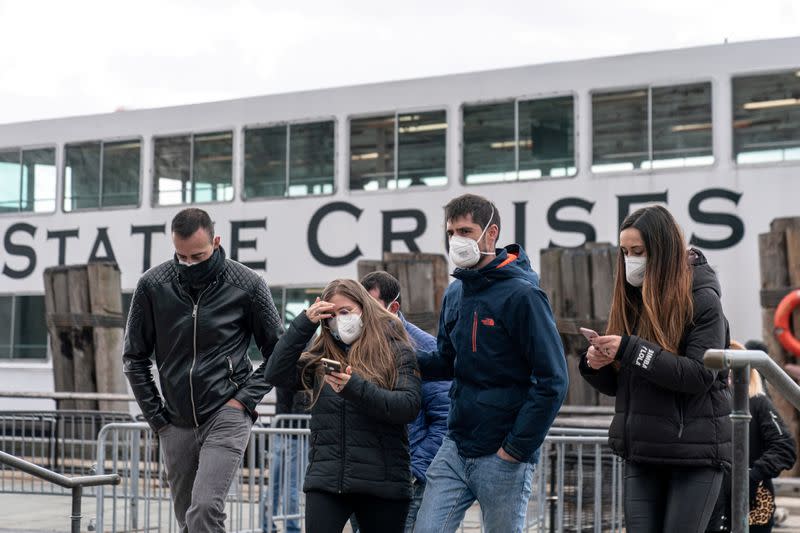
x,y
590,334
331,366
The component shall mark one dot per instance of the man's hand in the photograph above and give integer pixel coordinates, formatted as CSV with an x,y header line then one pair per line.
x,y
233,402
501,453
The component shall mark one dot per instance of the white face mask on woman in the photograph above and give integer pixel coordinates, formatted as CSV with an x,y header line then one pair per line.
x,y
346,328
634,269
464,252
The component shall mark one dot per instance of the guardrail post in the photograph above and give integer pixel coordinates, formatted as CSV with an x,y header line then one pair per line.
x,y
75,519
135,444
740,416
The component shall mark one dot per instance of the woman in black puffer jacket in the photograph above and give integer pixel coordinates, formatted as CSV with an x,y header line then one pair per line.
x,y
772,450
359,461
671,420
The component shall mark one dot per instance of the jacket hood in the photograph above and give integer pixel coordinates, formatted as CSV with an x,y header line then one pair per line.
x,y
510,262
704,276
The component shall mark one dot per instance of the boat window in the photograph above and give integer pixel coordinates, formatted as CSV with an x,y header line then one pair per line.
x,y
27,180
652,127
398,151
101,174
766,118
289,160
193,168
519,140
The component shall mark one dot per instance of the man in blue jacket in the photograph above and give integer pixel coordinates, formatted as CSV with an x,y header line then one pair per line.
x,y
498,342
425,434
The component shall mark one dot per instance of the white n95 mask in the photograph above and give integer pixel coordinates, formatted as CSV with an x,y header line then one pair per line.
x,y
634,270
464,252
346,328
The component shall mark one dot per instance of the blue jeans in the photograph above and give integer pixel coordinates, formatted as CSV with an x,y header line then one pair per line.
x,y
413,506
455,482
284,476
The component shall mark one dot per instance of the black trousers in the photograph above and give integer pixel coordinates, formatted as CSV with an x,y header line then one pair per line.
x,y
669,499
328,513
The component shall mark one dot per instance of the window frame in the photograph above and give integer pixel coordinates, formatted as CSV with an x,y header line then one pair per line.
x,y
732,130
56,207
242,195
649,87
516,100
16,362
397,112
192,134
63,175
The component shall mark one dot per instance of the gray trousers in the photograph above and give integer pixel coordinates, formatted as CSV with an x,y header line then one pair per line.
x,y
201,463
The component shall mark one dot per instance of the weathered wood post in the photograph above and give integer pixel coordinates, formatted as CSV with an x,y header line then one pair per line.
x,y
83,304
779,256
579,283
423,279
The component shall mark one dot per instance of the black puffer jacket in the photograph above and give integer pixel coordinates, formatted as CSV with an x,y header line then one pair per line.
x,y
670,409
359,443
200,344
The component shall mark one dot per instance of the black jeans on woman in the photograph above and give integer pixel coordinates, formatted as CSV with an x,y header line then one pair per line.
x,y
669,499
328,513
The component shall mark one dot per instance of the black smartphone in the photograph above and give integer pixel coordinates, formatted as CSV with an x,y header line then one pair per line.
x,y
331,366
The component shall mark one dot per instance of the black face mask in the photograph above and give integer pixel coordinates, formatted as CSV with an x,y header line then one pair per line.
x,y
201,274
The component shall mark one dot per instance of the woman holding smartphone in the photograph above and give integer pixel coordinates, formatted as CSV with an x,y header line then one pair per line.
x,y
671,420
363,394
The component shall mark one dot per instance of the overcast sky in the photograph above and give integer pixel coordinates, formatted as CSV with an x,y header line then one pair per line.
x,y
61,58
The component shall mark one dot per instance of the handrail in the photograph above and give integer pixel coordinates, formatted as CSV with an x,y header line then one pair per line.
x,y
740,361
75,483
55,477
778,379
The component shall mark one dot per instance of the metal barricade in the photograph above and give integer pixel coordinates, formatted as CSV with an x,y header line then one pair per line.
x,y
577,485
62,441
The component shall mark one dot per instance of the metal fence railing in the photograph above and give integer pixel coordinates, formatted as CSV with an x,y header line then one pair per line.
x,y
75,485
64,442
577,485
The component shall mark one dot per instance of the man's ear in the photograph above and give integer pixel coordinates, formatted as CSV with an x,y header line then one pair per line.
x,y
394,307
216,241
492,233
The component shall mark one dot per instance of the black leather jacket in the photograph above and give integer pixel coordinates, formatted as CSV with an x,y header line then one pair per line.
x,y
200,344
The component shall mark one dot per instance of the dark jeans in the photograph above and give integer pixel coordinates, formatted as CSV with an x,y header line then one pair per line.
x,y
328,513
201,463
669,499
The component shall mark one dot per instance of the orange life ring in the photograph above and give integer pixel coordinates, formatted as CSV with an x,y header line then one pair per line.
x,y
782,316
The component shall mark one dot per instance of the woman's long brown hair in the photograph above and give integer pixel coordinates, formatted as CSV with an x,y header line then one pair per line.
x,y
661,310
371,355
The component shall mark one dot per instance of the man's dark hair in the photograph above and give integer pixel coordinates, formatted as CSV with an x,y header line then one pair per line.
x,y
388,286
478,207
191,219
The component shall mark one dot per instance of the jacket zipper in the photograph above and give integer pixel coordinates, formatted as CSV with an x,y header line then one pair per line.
x,y
230,372
194,355
680,418
475,332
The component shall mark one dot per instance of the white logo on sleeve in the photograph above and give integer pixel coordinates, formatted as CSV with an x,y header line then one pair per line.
x,y
645,357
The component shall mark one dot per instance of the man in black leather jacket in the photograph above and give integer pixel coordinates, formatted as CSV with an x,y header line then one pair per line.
x,y
195,314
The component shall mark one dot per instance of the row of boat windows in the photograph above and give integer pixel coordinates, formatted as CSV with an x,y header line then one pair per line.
x,y
23,330
642,128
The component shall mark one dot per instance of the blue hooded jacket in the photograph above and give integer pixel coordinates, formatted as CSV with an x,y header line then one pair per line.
x,y
498,341
425,434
